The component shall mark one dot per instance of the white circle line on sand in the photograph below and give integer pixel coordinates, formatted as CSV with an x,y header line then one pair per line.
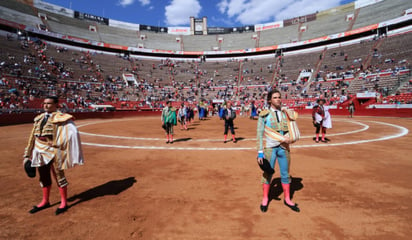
x,y
403,132
365,127
167,148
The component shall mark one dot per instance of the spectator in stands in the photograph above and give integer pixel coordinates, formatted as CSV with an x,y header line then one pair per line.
x,y
54,145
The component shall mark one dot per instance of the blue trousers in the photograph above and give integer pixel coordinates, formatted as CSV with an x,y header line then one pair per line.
x,y
283,157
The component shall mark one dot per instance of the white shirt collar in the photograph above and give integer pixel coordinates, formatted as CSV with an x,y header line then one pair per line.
x,y
278,112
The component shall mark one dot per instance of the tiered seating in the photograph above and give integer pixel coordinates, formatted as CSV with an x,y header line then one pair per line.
x,y
199,43
110,64
236,41
381,11
406,86
400,98
19,17
395,51
293,64
160,41
118,36
328,22
385,83
279,35
163,79
355,54
18,6
70,26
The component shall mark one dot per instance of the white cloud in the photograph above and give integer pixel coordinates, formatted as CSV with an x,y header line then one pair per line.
x,y
222,6
263,11
178,12
144,2
125,3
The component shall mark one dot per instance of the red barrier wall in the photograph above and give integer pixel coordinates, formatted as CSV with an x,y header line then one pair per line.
x,y
15,118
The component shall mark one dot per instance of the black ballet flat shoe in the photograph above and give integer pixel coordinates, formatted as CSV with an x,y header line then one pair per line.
x,y
36,209
324,141
61,210
294,207
263,208
167,142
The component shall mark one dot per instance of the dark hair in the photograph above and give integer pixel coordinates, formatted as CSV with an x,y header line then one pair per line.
x,y
321,99
54,98
270,94
167,102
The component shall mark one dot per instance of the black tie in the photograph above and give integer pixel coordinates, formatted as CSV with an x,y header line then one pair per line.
x,y
44,122
277,117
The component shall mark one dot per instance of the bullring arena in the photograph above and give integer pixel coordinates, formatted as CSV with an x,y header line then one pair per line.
x,y
114,77
135,186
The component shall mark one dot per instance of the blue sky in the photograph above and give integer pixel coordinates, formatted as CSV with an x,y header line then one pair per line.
x,y
219,13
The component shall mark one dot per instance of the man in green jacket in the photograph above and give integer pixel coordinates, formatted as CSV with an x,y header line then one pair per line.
x,y
169,120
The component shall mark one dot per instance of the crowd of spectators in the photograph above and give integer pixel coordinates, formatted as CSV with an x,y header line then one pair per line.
x,y
31,69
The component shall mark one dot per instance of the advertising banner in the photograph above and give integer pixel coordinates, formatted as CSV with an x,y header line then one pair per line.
x,y
153,28
53,8
267,26
362,29
91,17
301,19
178,30
218,30
364,3
124,25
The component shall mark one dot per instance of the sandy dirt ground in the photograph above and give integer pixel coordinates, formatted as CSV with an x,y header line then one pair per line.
x,y
135,186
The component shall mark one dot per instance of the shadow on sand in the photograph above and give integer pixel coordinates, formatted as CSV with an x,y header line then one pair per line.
x,y
182,139
276,188
110,188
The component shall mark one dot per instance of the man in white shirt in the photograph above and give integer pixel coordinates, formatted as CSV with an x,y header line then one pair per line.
x,y
273,127
54,145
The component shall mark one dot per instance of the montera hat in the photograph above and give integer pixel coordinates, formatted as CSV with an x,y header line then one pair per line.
x,y
265,166
30,171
